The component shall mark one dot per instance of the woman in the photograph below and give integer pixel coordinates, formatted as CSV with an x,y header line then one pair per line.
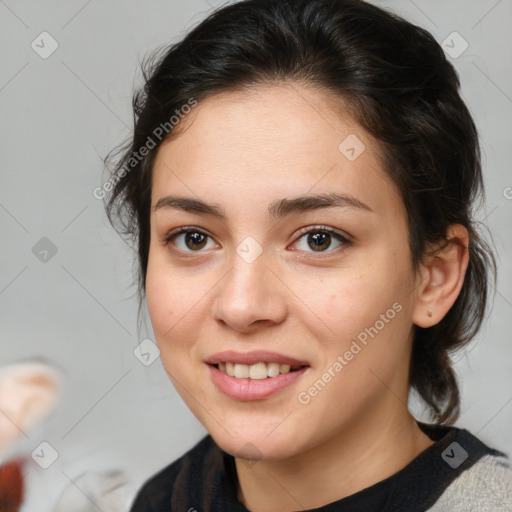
x,y
301,183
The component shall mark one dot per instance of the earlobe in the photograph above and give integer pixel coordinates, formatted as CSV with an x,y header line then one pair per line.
x,y
443,276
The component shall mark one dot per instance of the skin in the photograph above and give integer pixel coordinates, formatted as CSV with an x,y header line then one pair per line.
x,y
243,150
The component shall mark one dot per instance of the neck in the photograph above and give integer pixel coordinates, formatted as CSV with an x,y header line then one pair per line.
x,y
348,462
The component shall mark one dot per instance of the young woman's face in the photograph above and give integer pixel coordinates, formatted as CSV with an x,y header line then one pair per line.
x,y
326,287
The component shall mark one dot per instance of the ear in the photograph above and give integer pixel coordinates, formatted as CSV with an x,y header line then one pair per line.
x,y
441,277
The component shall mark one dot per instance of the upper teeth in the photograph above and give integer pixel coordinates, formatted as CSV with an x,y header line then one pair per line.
x,y
254,371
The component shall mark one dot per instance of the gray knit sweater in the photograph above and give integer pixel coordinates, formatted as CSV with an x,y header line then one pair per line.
x,y
484,487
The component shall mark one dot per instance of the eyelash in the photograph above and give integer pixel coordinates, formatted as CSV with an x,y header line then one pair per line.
x,y
313,229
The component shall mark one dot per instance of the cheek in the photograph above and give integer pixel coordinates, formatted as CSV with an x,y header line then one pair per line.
x,y
349,303
167,296
177,302
370,307
167,307
160,299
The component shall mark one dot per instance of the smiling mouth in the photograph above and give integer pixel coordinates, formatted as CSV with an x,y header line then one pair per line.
x,y
257,371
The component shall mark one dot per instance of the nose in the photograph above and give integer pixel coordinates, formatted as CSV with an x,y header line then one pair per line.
x,y
250,296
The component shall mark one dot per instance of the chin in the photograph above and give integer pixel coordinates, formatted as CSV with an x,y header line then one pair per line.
x,y
256,444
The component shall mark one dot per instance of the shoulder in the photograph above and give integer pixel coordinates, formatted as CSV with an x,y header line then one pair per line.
x,y
483,485
166,489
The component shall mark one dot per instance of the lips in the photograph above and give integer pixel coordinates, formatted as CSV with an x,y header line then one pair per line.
x,y
241,385
248,389
253,357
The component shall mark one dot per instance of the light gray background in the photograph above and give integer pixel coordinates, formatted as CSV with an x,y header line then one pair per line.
x,y
60,116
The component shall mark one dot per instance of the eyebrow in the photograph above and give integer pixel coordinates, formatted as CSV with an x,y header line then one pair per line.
x,y
277,209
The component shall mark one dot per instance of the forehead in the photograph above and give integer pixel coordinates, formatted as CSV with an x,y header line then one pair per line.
x,y
270,142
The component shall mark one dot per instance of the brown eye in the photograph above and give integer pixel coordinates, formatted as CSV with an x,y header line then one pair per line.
x,y
195,240
188,239
320,240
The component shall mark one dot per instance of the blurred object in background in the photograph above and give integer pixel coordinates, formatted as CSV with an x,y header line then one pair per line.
x,y
108,491
11,485
28,394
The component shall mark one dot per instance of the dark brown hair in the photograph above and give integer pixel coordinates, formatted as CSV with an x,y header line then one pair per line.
x,y
401,89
